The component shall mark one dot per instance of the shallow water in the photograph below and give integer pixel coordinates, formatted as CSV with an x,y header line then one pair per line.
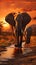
x,y
12,52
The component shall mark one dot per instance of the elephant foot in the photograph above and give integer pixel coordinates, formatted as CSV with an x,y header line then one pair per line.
x,y
18,46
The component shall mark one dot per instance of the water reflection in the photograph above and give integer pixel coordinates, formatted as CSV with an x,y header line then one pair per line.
x,y
12,52
7,54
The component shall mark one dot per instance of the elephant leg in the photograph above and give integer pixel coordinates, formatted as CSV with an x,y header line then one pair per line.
x,y
27,41
20,41
19,38
29,33
28,37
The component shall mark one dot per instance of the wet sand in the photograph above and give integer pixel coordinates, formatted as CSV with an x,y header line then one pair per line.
x,y
15,56
18,58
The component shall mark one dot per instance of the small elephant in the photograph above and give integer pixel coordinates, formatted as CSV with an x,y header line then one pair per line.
x,y
31,31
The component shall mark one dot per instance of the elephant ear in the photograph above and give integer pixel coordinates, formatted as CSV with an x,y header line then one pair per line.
x,y
10,19
26,18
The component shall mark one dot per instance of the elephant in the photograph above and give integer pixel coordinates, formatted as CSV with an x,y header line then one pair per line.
x,y
22,20
31,31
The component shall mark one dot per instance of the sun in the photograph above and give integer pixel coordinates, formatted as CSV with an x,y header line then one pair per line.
x,y
4,23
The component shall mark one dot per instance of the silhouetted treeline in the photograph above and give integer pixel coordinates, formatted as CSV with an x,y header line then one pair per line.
x,y
7,33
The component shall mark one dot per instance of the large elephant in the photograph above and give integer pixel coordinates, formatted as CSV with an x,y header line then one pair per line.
x,y
22,20
31,31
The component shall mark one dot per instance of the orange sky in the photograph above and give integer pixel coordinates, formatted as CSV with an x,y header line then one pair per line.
x,y
7,6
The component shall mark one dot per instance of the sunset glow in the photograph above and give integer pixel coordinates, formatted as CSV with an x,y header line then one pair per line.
x,y
17,32
15,6
7,6
17,41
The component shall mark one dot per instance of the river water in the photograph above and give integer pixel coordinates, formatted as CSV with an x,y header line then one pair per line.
x,y
10,52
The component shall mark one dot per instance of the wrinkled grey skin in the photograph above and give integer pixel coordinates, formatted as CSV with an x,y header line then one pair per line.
x,y
31,31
